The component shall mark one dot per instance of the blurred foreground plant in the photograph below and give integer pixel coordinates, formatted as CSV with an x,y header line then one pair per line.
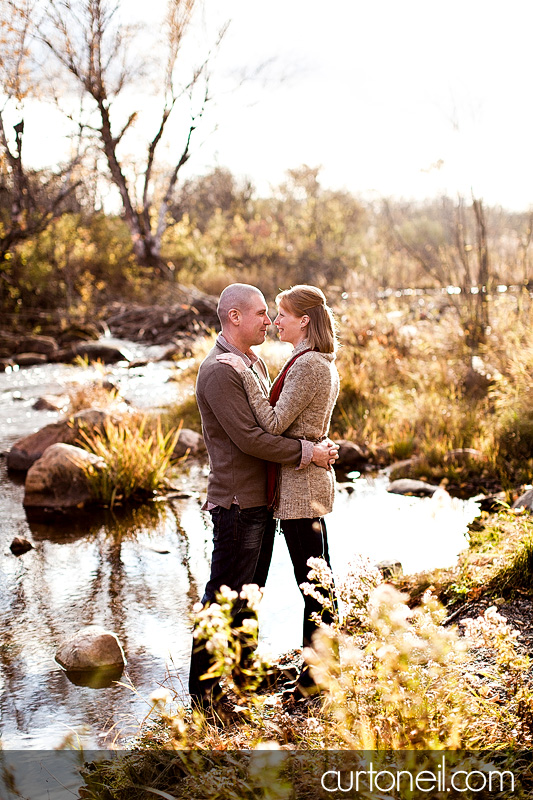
x,y
407,682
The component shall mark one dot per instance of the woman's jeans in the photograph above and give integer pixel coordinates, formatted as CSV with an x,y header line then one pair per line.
x,y
243,539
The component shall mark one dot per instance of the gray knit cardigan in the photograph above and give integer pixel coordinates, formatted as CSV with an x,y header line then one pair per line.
x,y
303,411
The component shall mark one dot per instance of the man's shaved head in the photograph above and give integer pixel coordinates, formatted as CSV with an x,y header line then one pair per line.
x,y
236,295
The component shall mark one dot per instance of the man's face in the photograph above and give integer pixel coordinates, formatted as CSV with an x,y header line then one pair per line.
x,y
254,321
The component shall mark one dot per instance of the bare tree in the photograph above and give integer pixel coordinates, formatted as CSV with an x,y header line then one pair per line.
x,y
89,41
453,251
28,201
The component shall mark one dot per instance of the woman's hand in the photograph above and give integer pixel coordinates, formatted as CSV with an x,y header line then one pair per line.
x,y
234,361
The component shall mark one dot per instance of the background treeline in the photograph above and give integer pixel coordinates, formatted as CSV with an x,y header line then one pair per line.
x,y
220,230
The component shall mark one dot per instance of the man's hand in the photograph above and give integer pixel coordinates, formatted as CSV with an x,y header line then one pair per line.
x,y
325,453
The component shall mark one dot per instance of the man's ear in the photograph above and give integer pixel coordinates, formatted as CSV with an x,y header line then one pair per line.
x,y
234,316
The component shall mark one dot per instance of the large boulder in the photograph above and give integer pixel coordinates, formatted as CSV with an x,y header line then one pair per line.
x,y
89,648
29,449
58,480
102,351
92,351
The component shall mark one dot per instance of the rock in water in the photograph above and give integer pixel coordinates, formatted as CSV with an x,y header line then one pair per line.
x,y
350,455
89,648
100,351
58,480
19,546
30,448
524,501
412,487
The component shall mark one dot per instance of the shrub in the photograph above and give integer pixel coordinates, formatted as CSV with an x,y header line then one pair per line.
x,y
407,682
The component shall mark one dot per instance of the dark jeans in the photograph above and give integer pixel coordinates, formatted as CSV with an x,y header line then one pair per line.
x,y
243,539
307,538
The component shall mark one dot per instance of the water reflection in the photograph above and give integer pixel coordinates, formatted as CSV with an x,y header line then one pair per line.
x,y
98,678
128,571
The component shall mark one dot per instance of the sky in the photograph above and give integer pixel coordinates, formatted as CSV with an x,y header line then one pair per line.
x,y
391,98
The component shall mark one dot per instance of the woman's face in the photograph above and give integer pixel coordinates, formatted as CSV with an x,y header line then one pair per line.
x,y
291,328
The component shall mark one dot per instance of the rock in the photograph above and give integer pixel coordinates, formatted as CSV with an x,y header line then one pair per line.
x,y
89,648
36,344
92,351
525,501
19,546
100,351
80,333
463,454
191,441
479,378
403,467
491,502
58,480
51,402
27,450
29,359
346,486
390,568
411,487
350,455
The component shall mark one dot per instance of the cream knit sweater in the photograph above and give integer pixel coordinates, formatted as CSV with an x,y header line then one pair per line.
x,y
303,411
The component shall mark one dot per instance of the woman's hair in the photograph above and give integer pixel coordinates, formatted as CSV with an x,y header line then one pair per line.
x,y
321,330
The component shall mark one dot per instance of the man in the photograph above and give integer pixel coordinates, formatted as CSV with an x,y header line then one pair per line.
x,y
243,527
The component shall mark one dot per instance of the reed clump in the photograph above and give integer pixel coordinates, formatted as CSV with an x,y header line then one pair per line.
x,y
136,458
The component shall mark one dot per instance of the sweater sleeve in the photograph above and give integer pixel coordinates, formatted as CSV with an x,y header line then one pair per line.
x,y
299,389
225,395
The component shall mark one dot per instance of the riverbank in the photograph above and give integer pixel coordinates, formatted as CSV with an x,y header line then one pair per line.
x,y
416,678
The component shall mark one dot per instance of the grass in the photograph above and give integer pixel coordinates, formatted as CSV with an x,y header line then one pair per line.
x,y
495,564
405,390
517,575
137,460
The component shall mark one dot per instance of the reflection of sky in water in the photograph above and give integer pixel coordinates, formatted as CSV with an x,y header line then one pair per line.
x,y
145,386
421,533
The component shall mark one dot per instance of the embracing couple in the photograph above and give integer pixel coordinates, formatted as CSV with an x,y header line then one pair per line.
x,y
270,458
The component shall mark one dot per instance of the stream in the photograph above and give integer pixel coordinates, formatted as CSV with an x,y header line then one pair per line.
x,y
139,571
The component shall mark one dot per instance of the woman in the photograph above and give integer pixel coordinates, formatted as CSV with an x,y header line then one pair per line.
x,y
300,406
